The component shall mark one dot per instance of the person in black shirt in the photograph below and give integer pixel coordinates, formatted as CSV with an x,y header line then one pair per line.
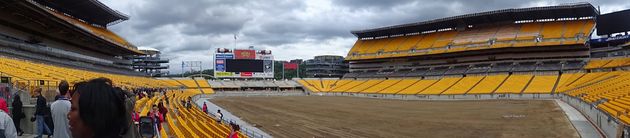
x,y
40,114
17,112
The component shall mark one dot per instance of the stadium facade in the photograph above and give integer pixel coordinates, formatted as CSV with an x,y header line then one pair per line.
x,y
524,53
57,32
535,39
151,62
326,66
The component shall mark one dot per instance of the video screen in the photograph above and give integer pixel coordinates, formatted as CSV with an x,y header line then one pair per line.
x,y
244,65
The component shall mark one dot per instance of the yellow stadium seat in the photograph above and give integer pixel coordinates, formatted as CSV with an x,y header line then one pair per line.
x,y
367,84
507,33
399,86
529,31
488,84
394,44
349,85
514,84
440,86
445,39
382,85
573,28
427,41
417,87
552,30
409,43
541,84
464,85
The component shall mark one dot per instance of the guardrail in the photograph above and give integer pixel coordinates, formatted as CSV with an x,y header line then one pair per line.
x,y
247,132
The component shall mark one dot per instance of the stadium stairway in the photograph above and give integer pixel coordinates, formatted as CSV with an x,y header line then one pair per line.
x,y
204,86
198,84
191,122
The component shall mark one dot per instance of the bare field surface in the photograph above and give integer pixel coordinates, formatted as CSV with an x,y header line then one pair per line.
x,y
320,116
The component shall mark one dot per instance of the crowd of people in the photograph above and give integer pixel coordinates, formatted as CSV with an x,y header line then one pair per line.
x,y
94,108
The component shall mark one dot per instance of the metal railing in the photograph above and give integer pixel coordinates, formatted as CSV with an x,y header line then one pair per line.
x,y
245,131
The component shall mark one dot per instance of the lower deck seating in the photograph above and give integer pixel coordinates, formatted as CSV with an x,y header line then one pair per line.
x,y
476,84
609,93
608,63
192,122
29,75
514,84
607,90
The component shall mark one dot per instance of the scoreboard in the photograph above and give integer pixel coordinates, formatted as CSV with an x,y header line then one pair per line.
x,y
243,63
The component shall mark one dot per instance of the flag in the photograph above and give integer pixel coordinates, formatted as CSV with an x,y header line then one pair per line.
x,y
290,65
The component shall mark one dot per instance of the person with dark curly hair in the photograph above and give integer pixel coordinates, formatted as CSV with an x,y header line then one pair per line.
x,y
97,110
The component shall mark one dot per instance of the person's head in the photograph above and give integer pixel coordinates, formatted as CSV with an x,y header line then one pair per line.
x,y
234,127
4,106
63,87
97,110
38,91
155,108
218,111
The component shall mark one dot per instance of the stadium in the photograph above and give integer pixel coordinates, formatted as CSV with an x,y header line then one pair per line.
x,y
519,72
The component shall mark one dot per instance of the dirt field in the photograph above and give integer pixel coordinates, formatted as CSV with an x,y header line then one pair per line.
x,y
314,116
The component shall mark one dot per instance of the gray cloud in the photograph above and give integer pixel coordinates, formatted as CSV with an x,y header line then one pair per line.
x,y
189,30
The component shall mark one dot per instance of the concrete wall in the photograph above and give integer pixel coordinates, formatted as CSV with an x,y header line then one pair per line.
x,y
252,93
442,97
606,123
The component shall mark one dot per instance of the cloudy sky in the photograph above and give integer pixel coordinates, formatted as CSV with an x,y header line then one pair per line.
x,y
189,30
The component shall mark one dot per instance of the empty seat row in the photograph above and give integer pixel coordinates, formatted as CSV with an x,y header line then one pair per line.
x,y
480,84
483,37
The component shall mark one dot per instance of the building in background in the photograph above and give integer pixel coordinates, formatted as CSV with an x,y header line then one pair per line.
x,y
326,66
296,61
151,63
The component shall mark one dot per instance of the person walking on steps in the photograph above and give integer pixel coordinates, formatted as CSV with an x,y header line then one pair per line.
x,y
17,113
234,128
60,109
40,114
162,109
205,108
219,116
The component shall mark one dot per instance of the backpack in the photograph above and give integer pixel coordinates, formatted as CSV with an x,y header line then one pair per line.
x,y
146,127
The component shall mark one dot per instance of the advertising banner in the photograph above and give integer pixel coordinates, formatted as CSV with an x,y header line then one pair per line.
x,y
245,54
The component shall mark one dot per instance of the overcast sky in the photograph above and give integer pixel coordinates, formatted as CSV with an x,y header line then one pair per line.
x,y
189,30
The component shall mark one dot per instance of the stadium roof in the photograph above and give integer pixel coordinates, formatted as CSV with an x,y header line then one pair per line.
x,y
91,11
147,49
505,15
42,21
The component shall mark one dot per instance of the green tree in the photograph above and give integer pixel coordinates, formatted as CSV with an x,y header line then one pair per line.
x,y
288,74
